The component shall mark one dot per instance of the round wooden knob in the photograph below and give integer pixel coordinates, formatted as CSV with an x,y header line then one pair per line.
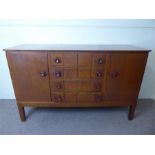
x,y
99,74
114,74
58,86
43,74
57,60
58,99
100,61
98,97
58,74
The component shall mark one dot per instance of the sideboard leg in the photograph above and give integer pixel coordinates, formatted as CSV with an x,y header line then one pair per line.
x,y
131,111
21,112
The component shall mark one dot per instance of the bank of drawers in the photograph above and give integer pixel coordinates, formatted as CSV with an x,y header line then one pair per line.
x,y
77,77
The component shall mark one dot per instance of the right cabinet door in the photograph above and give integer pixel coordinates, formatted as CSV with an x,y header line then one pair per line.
x,y
124,75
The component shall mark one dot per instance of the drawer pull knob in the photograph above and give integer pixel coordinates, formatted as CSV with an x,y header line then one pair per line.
x,y
57,60
100,61
58,99
58,74
114,74
58,86
43,74
98,98
99,74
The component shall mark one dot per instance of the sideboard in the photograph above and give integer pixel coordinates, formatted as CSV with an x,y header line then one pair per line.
x,y
64,75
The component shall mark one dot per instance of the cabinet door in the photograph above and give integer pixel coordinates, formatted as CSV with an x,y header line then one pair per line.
x,y
29,72
124,75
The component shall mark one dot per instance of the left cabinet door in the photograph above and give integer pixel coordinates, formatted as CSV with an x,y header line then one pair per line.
x,y
30,77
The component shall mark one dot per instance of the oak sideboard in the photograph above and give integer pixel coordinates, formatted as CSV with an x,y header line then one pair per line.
x,y
64,75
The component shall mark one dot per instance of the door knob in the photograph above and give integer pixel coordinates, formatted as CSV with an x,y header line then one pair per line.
x,y
43,74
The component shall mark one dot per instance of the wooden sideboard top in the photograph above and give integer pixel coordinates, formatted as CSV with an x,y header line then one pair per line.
x,y
76,47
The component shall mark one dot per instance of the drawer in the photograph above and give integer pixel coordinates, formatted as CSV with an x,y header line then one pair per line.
x,y
71,85
57,85
84,73
91,85
70,98
90,97
84,59
58,97
99,60
98,73
61,85
64,73
64,97
67,59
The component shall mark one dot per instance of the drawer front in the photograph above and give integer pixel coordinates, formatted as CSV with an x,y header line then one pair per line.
x,y
71,85
84,73
90,85
56,59
60,85
64,98
67,59
84,59
99,60
98,73
57,73
70,98
63,73
90,97
58,97
57,86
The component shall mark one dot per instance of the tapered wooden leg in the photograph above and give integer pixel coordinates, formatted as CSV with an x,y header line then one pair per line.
x,y
131,111
21,112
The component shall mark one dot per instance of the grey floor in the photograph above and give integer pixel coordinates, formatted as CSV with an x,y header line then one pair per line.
x,y
111,121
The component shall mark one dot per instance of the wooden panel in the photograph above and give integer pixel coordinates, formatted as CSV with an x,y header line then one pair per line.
x,y
84,59
99,60
97,85
70,73
124,75
70,59
84,73
29,72
63,73
70,98
90,97
56,73
56,59
71,85
58,98
98,73
85,85
90,85
67,59
57,85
